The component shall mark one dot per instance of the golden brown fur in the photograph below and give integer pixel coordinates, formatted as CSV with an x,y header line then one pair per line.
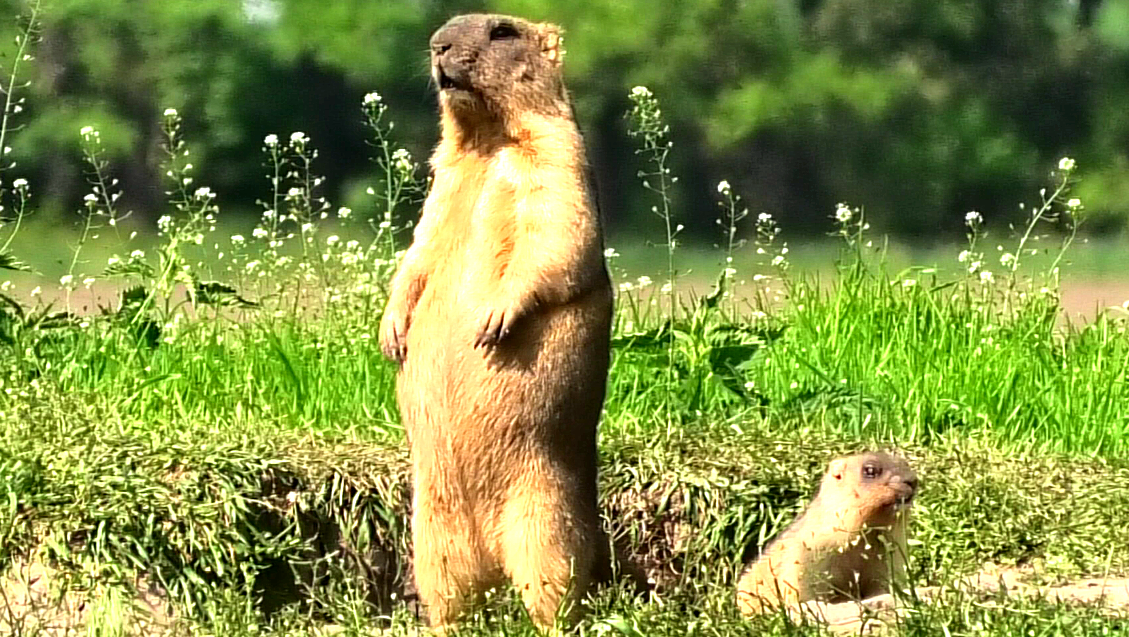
x,y
500,315
846,546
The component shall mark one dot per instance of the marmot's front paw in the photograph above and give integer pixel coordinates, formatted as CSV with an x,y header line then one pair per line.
x,y
394,335
495,324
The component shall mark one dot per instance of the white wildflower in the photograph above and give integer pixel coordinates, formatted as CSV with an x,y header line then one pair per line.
x,y
87,282
764,217
204,192
112,261
170,112
986,276
90,198
86,131
66,280
298,137
344,213
258,233
1074,203
643,281
271,140
332,240
909,283
1066,164
294,193
19,183
843,213
610,253
641,91
402,160
973,219
723,187
1008,260
137,254
372,98
964,255
36,291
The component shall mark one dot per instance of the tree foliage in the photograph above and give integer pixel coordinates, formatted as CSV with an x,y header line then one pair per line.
x,y
918,109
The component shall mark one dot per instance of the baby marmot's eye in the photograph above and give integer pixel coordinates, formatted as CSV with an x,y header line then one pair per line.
x,y
503,32
871,471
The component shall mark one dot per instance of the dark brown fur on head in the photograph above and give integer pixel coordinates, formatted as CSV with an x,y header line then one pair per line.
x,y
884,485
495,67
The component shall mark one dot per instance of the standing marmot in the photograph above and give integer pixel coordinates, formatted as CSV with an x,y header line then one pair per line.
x,y
848,543
500,315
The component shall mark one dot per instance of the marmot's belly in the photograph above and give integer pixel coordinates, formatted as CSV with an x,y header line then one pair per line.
x,y
548,374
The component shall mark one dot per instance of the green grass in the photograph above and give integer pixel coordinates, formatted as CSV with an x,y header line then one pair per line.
x,y
226,427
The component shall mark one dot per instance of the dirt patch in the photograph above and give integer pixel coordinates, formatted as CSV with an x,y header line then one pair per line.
x,y
1111,592
36,599
1083,298
877,614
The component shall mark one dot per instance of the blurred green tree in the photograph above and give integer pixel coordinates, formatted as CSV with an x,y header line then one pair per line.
x,y
917,109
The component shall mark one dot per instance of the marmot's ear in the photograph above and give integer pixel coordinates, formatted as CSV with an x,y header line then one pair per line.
x,y
552,42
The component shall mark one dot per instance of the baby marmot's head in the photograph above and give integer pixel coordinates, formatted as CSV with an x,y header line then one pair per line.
x,y
878,487
499,66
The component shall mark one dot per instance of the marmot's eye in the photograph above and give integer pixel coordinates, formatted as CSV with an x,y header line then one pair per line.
x,y
871,471
503,32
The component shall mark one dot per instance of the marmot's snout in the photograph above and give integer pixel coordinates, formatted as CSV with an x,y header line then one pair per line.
x,y
451,62
452,71
906,488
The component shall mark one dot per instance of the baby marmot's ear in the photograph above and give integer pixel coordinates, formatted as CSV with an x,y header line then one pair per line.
x,y
552,42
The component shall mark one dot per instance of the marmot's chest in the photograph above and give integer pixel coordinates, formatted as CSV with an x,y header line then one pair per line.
x,y
480,223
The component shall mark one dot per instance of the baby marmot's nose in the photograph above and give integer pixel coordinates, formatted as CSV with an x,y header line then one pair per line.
x,y
439,48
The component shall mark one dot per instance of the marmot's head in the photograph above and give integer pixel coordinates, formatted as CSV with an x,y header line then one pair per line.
x,y
496,65
877,486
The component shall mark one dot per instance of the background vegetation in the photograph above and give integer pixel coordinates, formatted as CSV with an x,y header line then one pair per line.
x,y
922,109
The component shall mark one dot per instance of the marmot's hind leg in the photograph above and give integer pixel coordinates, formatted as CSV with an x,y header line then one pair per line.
x,y
452,569
550,546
